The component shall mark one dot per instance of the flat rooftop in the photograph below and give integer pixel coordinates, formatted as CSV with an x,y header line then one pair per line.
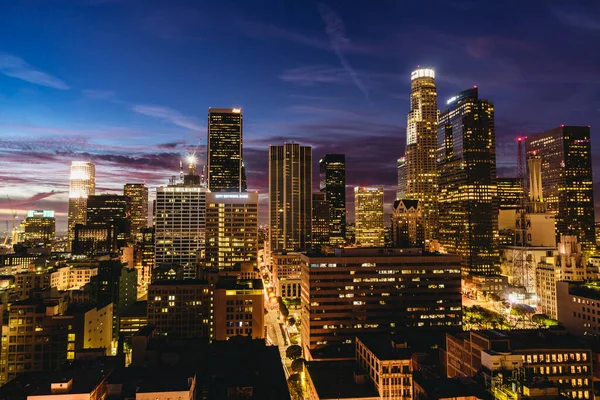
x,y
335,380
384,348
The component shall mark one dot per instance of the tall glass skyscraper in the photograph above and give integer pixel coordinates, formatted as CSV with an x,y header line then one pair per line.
x,y
368,216
138,202
332,173
82,184
567,184
224,150
467,198
290,196
420,171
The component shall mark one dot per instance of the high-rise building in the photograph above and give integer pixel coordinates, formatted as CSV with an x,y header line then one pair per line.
x,y
290,196
138,206
407,224
180,222
231,229
224,150
332,173
358,291
39,227
420,171
466,163
112,210
401,192
82,184
320,220
566,159
368,216
510,193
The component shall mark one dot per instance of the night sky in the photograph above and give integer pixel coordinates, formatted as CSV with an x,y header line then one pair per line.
x,y
127,83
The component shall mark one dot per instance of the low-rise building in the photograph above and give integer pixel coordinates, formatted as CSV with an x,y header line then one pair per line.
x,y
522,357
377,290
579,307
181,308
239,309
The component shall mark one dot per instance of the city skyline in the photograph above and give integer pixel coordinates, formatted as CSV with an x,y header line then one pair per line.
x,y
54,114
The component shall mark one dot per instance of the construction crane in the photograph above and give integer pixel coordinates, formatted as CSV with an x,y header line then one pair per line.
x,y
14,219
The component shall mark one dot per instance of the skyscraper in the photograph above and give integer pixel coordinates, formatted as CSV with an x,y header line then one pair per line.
x,y
81,185
368,216
420,170
510,193
466,162
290,196
224,151
332,172
112,210
401,191
567,179
320,220
39,227
180,222
138,205
231,229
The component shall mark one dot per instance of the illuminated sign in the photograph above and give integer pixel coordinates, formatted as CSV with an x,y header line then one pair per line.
x,y
231,196
236,110
452,99
422,73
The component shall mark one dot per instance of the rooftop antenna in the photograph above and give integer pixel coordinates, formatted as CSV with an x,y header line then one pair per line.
x,y
181,170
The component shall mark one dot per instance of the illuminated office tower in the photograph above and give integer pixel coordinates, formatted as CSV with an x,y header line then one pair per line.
x,y
231,229
81,185
466,162
368,216
180,223
401,191
320,220
224,150
420,169
510,193
39,227
290,196
566,165
138,206
111,210
332,172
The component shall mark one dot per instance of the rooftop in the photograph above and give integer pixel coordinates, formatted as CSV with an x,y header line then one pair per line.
x,y
447,388
335,380
590,290
178,282
239,284
137,309
384,348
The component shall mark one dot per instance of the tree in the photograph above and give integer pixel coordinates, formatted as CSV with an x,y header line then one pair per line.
x,y
283,308
292,321
295,386
298,364
293,352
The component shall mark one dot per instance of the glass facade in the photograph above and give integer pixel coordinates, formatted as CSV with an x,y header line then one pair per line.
x,y
368,216
332,169
224,154
567,180
467,200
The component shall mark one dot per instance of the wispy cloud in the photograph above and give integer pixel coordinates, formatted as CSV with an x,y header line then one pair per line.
x,y
576,18
168,114
16,67
334,26
30,200
315,74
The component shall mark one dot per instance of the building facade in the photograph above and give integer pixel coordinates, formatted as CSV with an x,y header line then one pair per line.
x,y
401,191
290,196
180,228
39,228
320,220
231,229
224,150
112,210
466,162
239,309
181,308
368,216
82,184
566,174
332,173
420,170
360,290
138,207
407,224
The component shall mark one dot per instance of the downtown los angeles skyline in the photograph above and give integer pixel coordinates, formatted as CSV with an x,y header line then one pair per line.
x,y
127,84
